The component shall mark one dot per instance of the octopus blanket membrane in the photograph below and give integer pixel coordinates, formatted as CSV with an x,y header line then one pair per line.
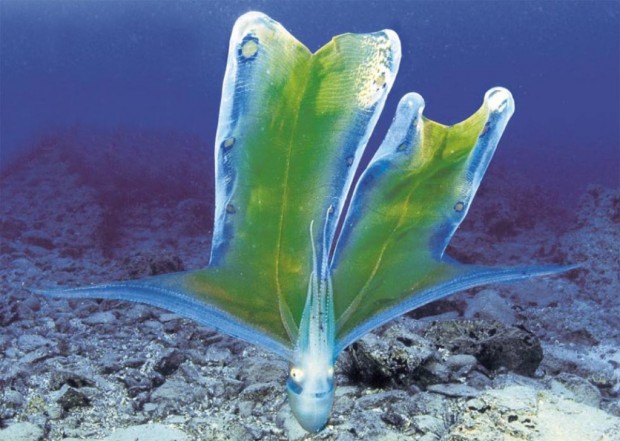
x,y
290,271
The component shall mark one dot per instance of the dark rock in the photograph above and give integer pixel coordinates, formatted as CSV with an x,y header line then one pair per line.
x,y
492,343
69,398
516,349
389,358
137,382
166,264
145,264
394,418
169,362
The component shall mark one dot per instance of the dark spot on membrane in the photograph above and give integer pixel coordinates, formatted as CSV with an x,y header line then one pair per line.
x,y
349,161
459,206
401,148
380,80
230,209
228,143
248,49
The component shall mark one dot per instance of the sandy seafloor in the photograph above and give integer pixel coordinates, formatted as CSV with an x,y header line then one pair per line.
x,y
534,360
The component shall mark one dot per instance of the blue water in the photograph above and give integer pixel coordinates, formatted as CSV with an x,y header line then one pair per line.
x,y
159,64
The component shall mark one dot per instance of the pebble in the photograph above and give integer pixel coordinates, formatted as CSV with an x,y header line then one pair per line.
x,y
168,316
36,355
555,417
144,432
178,391
584,391
100,318
217,354
461,362
169,361
137,382
21,432
257,392
427,423
12,397
380,399
28,342
454,390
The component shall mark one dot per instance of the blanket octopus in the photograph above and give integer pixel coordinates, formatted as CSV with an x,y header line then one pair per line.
x,y
290,269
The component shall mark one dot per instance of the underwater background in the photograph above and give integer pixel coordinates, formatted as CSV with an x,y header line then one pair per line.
x,y
108,112
159,65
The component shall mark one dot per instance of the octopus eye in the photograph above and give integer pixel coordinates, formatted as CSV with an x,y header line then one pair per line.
x,y
296,374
